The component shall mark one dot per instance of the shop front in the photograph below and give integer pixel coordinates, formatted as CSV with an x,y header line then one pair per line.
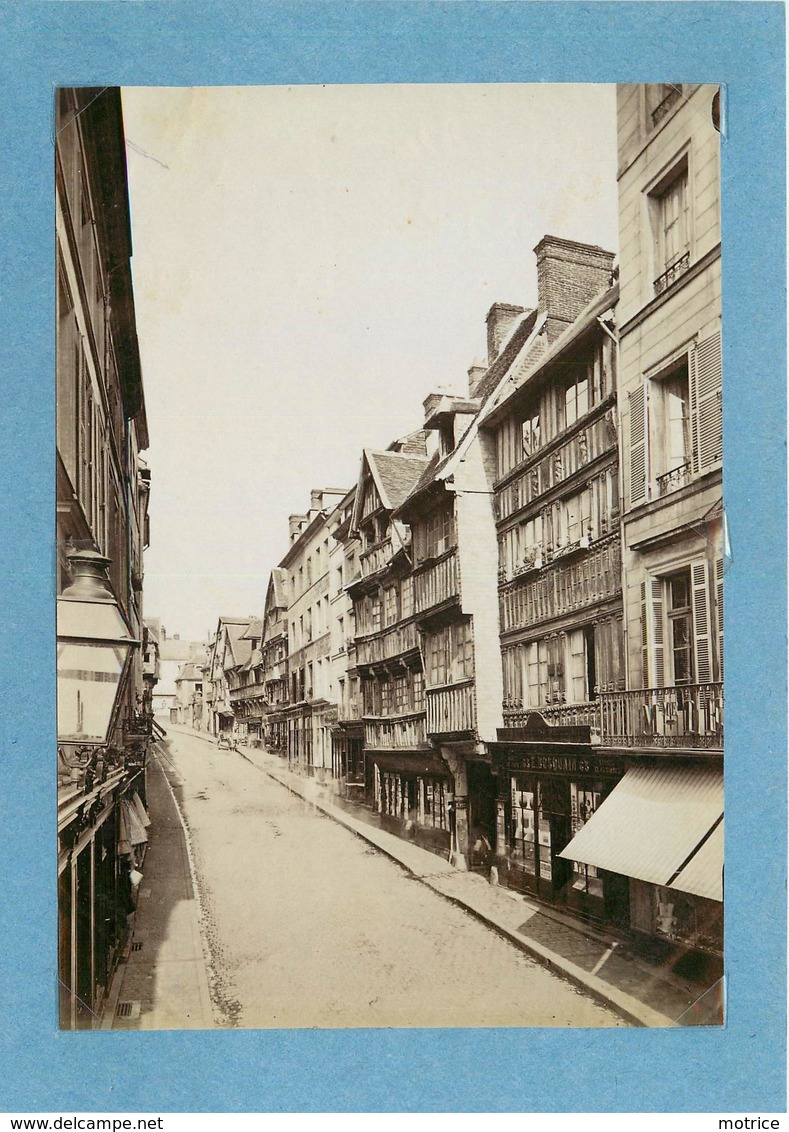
x,y
661,830
546,796
348,758
413,794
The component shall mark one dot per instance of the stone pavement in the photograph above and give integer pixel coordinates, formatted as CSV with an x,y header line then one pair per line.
x,y
645,992
167,976
163,982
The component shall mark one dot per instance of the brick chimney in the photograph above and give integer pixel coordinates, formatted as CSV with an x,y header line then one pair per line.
x,y
294,526
475,376
569,275
501,317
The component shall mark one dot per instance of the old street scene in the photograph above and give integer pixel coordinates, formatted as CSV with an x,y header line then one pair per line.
x,y
391,554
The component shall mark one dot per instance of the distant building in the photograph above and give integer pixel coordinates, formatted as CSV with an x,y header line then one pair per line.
x,y
347,728
311,705
172,653
188,703
246,686
274,650
227,651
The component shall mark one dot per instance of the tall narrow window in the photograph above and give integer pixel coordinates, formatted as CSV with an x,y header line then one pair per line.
x,y
670,446
680,623
670,213
576,400
530,434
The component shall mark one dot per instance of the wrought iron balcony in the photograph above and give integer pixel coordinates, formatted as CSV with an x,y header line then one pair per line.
x,y
564,586
451,709
396,641
436,583
686,716
674,479
562,715
679,267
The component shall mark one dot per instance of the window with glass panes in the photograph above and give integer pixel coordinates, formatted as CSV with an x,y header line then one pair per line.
x,y
401,698
530,434
406,597
451,654
523,841
576,398
434,534
432,803
390,605
418,691
584,802
680,625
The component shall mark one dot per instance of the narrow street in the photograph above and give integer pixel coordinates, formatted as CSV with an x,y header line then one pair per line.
x,y
308,926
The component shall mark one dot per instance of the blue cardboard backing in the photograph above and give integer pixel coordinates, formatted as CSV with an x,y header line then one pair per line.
x,y
739,1067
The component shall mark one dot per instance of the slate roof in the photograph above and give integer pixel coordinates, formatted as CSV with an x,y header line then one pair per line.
x,y
279,579
545,354
396,475
507,354
414,444
255,629
192,670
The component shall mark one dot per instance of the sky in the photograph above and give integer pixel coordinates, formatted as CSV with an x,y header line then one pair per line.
x,y
309,264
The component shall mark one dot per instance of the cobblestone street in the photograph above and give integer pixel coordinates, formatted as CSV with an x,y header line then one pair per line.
x,y
307,926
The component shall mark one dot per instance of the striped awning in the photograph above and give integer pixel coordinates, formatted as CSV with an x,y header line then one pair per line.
x,y
653,824
703,874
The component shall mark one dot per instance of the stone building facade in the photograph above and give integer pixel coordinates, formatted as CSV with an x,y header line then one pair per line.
x,y
102,491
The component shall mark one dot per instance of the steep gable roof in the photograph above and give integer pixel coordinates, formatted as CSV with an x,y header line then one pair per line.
x,y
393,474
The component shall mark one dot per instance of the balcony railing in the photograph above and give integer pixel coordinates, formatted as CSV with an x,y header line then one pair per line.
x,y
674,479
376,558
690,715
248,692
395,642
451,709
436,583
679,267
563,586
561,715
405,731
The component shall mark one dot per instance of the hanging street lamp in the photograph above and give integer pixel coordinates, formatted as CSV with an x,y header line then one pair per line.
x,y
94,649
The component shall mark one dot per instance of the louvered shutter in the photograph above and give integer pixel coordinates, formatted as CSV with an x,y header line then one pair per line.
x,y
701,622
644,638
719,612
638,445
657,634
706,373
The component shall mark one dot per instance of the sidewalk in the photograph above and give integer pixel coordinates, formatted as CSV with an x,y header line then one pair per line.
x,y
162,984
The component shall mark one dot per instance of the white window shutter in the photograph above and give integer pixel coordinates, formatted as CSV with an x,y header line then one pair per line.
x,y
638,445
719,612
644,638
657,633
706,406
701,622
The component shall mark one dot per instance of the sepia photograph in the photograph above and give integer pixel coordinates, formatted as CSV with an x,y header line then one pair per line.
x,y
391,548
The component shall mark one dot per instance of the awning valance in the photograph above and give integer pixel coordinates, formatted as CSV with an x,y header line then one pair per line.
x,y
653,824
413,762
703,874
